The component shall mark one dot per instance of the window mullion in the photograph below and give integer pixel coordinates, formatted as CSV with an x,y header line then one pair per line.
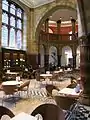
x,y
8,23
16,26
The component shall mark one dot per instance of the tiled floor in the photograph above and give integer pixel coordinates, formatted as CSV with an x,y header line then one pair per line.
x,y
37,96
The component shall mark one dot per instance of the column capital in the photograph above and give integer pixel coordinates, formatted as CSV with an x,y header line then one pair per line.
x,y
59,21
85,40
73,20
47,19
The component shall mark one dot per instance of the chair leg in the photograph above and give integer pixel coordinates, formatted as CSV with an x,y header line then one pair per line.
x,y
14,100
3,100
28,93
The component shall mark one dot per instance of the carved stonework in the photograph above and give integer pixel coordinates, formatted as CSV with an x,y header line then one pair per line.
x,y
43,12
85,68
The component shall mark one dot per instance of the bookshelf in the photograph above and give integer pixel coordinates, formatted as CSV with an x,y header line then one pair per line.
x,y
15,59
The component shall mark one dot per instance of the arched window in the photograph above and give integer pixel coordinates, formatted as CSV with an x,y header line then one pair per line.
x,y
12,25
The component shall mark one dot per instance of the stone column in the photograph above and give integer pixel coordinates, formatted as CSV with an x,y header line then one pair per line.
x,y
59,57
58,26
59,60
39,44
74,60
73,21
47,25
83,9
74,56
85,69
46,56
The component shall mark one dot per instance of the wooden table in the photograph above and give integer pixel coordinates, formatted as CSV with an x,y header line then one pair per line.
x,y
23,116
12,83
69,92
12,73
46,76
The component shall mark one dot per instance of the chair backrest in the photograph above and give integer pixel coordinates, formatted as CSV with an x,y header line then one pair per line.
x,y
9,89
49,88
5,111
49,112
24,84
64,102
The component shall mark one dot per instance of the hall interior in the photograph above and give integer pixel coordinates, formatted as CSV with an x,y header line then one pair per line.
x,y
45,43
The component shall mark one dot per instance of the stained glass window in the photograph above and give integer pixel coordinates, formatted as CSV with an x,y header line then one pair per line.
x,y
12,21
12,9
5,18
19,39
5,5
19,12
12,38
19,24
4,36
12,25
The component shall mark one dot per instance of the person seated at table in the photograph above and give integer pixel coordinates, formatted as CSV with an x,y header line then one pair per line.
x,y
73,83
78,86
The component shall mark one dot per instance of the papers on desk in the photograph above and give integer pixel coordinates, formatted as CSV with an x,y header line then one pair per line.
x,y
23,116
69,91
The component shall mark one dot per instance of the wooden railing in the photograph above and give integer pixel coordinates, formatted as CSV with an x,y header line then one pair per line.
x,y
62,37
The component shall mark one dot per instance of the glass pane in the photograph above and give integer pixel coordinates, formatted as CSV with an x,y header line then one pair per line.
x,y
5,5
12,9
12,38
4,36
12,21
19,39
19,24
19,12
5,18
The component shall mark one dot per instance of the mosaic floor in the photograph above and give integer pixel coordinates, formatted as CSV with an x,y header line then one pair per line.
x,y
38,96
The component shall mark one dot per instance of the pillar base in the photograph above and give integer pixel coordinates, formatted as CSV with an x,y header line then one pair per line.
x,y
84,99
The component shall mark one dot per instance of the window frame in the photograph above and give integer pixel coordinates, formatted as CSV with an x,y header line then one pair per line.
x,y
16,17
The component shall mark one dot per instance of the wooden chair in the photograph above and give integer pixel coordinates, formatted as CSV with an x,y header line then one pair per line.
x,y
24,87
5,111
64,101
49,112
49,89
9,90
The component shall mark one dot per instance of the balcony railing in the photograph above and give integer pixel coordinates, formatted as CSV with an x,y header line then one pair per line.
x,y
62,37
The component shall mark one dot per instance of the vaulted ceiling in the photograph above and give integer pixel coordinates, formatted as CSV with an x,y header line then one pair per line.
x,y
35,3
65,14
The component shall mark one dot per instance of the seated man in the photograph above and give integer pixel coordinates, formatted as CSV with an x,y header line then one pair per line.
x,y
73,83
78,86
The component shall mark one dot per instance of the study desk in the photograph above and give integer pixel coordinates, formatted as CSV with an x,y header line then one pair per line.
x,y
69,92
12,73
12,82
46,76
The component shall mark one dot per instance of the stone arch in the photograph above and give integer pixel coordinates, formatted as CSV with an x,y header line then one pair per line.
x,y
48,13
66,57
